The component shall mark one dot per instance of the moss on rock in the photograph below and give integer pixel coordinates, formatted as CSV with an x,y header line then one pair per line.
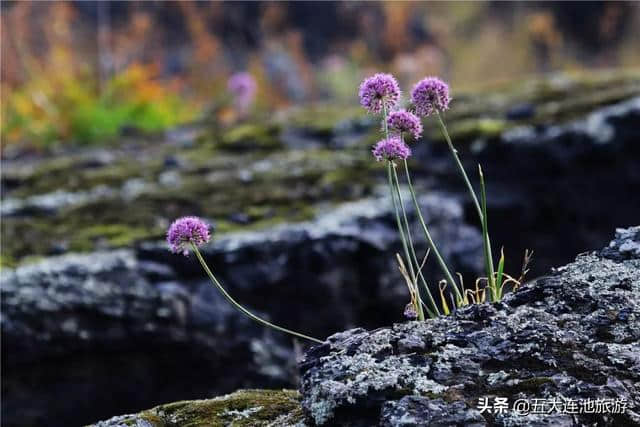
x,y
239,191
242,408
252,136
243,177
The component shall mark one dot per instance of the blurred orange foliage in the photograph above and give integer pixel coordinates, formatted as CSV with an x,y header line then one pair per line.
x,y
82,71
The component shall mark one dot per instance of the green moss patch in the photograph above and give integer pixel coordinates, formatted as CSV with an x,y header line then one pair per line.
x,y
251,135
242,408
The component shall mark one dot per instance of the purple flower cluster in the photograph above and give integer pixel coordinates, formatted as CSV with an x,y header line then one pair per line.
x,y
390,149
430,94
243,87
410,312
404,122
187,230
378,92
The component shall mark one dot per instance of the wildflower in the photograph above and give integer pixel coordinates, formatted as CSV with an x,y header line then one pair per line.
x,y
185,231
390,149
378,92
430,94
191,230
410,312
243,88
404,122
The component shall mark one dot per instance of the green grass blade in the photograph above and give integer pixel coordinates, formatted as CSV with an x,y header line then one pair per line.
x,y
488,262
500,273
445,306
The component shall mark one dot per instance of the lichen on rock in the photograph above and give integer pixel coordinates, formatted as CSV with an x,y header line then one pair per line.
x,y
573,334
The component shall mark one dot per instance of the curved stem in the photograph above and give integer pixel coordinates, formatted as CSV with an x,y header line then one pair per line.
x,y
241,308
487,242
432,245
443,128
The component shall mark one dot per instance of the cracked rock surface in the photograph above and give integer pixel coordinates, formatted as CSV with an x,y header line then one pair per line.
x,y
572,335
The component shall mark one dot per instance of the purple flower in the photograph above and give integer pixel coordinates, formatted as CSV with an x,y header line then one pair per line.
x,y
404,122
187,230
410,312
430,94
391,149
243,88
378,91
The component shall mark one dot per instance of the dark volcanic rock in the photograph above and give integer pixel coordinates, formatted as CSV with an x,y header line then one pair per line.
x,y
625,246
97,301
343,258
85,335
571,335
70,322
544,179
417,410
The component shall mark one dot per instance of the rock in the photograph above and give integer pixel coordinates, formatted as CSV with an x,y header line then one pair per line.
x,y
240,218
570,164
598,127
579,174
521,111
572,335
346,252
273,408
416,410
51,203
71,320
573,153
339,170
112,331
626,245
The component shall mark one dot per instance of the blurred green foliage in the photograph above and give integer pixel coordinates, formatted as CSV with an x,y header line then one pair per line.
x,y
72,71
52,107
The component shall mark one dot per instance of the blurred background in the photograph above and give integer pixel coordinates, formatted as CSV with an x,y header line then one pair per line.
x,y
118,117
81,71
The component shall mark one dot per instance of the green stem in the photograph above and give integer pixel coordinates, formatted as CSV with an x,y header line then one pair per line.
x,y
443,128
241,308
384,121
487,243
413,251
400,230
432,245
405,246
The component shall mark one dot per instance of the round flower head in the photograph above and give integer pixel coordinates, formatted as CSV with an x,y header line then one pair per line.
x,y
185,231
404,122
391,149
243,87
430,94
242,83
378,91
410,312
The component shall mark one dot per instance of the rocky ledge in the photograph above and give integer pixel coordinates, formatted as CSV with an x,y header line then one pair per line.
x,y
567,337
570,337
73,320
